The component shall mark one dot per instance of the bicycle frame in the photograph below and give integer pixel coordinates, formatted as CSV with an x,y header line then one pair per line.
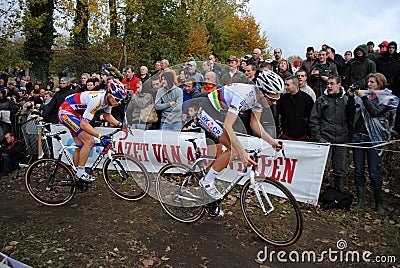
x,y
107,151
267,205
250,173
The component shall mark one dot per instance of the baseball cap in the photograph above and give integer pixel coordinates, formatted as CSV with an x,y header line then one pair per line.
x,y
384,44
193,63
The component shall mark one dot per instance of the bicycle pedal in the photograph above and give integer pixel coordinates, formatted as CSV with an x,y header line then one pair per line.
x,y
82,186
213,209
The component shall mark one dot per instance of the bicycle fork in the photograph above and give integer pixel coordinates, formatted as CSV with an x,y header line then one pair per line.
x,y
120,168
258,189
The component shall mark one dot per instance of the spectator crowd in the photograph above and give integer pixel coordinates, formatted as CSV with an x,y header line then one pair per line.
x,y
329,98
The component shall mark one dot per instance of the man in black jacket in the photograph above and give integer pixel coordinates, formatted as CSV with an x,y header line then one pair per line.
x,y
50,112
12,153
360,68
389,65
330,122
294,109
320,71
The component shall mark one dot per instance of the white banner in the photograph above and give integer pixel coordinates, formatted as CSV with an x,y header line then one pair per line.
x,y
301,171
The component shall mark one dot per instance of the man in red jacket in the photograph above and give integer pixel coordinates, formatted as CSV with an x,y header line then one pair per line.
x,y
130,80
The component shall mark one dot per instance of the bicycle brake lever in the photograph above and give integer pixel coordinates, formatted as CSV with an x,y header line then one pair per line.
x,y
283,153
283,150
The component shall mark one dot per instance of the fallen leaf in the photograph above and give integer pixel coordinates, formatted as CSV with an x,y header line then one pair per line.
x,y
377,221
147,263
368,228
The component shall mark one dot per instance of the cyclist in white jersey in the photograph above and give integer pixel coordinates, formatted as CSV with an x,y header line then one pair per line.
x,y
234,99
78,110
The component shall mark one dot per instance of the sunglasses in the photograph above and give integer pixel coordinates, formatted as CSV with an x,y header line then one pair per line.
x,y
272,97
117,99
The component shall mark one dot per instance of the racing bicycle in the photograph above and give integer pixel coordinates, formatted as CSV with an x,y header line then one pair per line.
x,y
268,206
52,182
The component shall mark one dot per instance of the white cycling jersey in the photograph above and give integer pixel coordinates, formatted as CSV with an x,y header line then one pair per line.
x,y
235,98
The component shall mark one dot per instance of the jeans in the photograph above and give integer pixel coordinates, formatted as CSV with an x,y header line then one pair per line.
x,y
338,155
373,159
10,163
177,126
140,126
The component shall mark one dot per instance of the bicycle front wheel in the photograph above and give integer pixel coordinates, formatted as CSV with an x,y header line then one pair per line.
x,y
50,182
179,192
272,211
126,177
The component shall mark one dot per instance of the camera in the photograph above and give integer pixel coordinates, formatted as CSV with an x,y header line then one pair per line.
x,y
354,87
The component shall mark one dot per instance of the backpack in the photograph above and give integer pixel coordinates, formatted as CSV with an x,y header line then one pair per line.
x,y
148,114
333,198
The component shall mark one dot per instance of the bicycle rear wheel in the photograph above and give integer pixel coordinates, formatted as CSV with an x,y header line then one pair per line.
x,y
126,177
179,192
50,182
282,225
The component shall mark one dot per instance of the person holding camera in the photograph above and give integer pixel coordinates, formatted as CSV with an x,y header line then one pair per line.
x,y
373,110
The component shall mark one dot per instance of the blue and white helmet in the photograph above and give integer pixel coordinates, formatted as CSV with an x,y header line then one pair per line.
x,y
117,89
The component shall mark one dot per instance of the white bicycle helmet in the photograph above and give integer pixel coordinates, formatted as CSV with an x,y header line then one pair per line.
x,y
270,83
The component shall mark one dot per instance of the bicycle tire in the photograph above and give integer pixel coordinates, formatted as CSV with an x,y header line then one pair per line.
x,y
48,186
281,227
180,202
136,182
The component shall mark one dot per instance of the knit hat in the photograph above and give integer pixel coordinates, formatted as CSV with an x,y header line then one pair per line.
x,y
393,43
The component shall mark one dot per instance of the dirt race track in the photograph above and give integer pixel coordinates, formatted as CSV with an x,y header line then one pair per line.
x,y
97,229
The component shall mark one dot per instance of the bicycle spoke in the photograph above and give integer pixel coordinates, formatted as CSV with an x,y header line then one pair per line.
x,y
179,192
277,218
50,183
126,177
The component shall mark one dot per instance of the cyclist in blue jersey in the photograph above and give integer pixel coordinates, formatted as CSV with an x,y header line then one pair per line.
x,y
76,113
